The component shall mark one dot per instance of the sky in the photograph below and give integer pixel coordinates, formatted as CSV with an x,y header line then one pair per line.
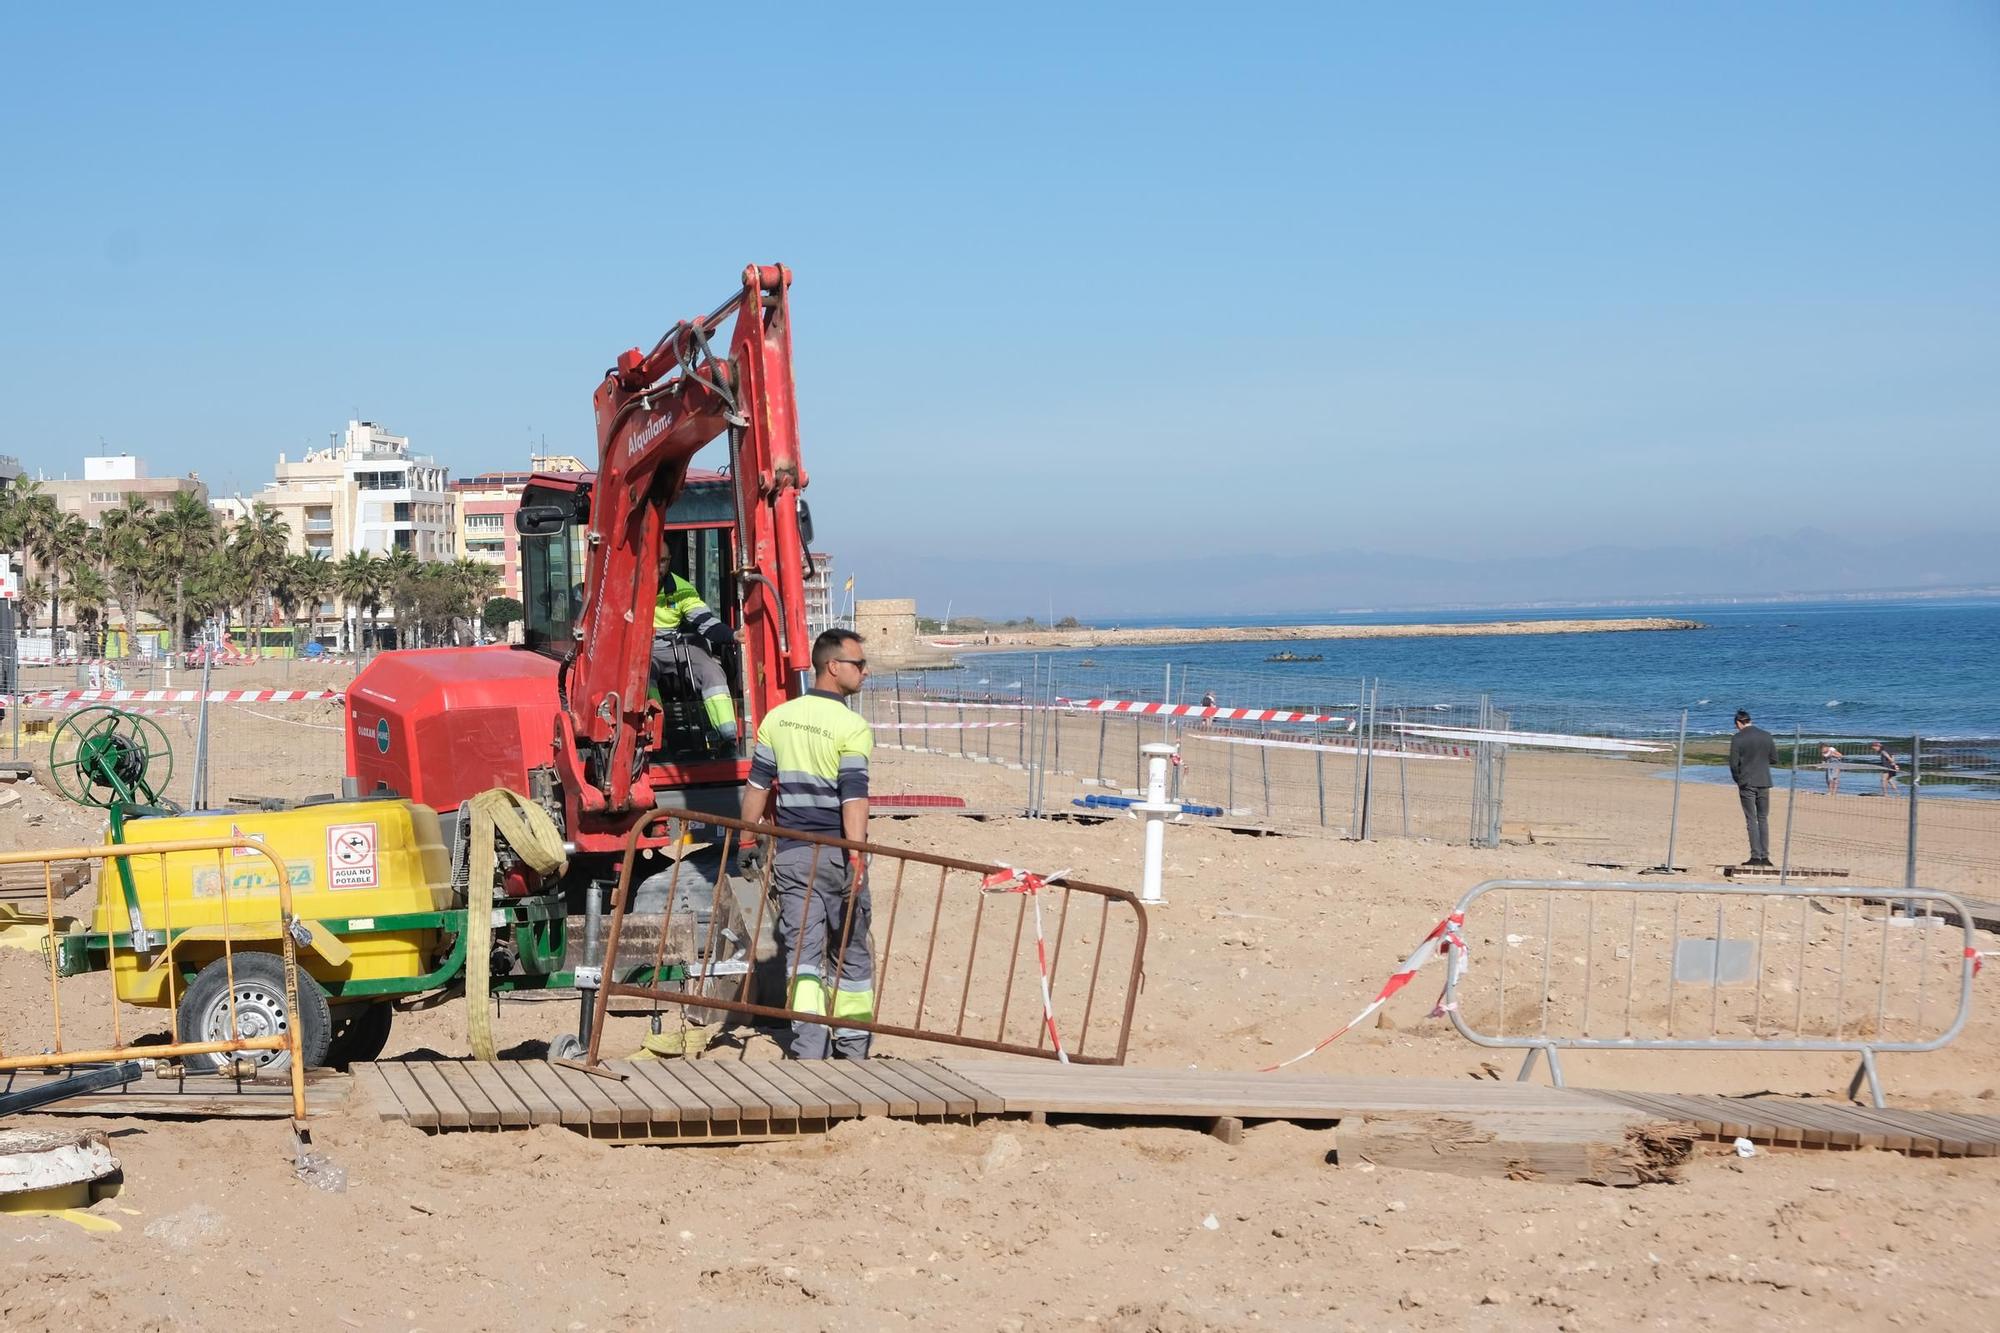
x,y
1085,296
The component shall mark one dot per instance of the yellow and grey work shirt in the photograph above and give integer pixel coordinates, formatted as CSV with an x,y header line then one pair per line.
x,y
812,756
680,608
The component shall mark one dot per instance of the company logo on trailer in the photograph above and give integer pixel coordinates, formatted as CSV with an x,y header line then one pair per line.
x,y
646,435
382,736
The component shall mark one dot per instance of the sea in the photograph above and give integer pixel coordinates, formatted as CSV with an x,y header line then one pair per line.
x,y
1829,669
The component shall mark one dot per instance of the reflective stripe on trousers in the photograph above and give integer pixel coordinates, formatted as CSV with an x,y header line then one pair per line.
x,y
810,921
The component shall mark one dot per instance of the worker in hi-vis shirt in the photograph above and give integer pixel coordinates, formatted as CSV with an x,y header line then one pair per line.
x,y
810,774
688,639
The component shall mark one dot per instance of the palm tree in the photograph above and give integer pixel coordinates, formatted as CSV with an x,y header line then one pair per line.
x,y
308,579
186,532
34,596
400,572
88,594
125,554
357,579
60,542
259,546
476,581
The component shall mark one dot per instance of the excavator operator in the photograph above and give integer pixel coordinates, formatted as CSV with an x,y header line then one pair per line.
x,y
688,639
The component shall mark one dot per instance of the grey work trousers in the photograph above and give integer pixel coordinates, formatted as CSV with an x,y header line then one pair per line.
x,y
813,919
1757,820
676,655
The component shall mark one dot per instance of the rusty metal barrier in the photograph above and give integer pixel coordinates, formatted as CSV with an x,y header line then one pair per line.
x,y
1605,966
141,941
1024,1004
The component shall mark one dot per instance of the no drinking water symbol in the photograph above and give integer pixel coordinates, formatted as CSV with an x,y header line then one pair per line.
x,y
352,849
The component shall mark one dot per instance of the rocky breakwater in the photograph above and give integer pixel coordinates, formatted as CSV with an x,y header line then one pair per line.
x,y
1107,638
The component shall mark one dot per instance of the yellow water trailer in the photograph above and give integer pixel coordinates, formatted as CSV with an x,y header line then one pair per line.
x,y
351,864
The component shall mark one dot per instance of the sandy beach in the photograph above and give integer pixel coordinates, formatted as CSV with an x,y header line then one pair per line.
x,y
1267,944
987,640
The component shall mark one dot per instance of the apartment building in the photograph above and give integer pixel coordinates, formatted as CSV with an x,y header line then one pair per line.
x,y
365,492
108,479
485,508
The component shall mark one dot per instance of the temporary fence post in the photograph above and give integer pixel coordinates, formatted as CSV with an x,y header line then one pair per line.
x,y
1138,754
1916,780
1791,805
198,794
1680,765
1496,778
1319,773
1368,758
1403,764
1360,707
1167,701
899,706
1229,753
1103,725
1264,765
1054,724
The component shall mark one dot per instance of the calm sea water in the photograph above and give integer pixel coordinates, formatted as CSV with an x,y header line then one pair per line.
x,y
1829,668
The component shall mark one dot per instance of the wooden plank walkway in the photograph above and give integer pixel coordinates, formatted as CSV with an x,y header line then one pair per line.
x,y
669,1101
685,1101
194,1097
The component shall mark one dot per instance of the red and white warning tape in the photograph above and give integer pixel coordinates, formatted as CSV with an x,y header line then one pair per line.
x,y
1196,710
179,696
1411,750
941,726
1015,880
1444,941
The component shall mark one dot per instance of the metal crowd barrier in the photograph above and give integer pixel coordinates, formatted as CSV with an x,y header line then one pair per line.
x,y
156,946
1614,966
936,936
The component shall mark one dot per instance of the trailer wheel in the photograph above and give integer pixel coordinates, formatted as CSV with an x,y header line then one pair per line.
x,y
360,1031
260,1011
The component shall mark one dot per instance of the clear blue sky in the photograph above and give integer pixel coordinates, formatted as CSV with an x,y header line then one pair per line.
x,y
1072,281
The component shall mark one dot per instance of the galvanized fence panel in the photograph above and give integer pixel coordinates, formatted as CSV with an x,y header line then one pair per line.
x,y
961,953
1668,965
953,740
150,956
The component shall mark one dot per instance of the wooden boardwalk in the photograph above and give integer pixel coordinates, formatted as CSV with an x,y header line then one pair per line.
x,y
683,1101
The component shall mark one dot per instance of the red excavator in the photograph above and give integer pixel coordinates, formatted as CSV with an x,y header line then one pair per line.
x,y
571,718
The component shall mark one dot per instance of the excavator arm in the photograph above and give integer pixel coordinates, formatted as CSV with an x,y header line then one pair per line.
x,y
655,411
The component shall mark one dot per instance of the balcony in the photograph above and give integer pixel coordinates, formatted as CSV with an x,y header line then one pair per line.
x,y
319,525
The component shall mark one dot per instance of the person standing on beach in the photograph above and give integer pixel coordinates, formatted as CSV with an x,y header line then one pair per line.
x,y
810,772
1829,759
1890,768
1751,754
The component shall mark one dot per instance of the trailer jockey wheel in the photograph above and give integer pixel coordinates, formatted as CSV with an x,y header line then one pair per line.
x,y
105,756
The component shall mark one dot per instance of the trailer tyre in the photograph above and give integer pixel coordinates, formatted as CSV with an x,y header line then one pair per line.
x,y
360,1032
261,1010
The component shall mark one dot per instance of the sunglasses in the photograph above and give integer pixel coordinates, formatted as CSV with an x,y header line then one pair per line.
x,y
860,662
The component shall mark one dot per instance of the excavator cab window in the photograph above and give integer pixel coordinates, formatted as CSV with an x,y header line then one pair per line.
x,y
702,555
552,555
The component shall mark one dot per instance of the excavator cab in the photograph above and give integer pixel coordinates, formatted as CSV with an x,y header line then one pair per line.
x,y
698,534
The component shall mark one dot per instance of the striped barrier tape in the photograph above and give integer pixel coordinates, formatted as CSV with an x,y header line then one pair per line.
x,y
1444,941
47,698
1198,711
1548,740
1333,747
940,726
1015,880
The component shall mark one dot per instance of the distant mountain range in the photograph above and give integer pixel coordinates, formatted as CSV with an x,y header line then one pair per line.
x,y
1807,562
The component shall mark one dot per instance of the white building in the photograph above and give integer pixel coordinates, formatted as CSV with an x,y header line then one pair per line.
x,y
365,492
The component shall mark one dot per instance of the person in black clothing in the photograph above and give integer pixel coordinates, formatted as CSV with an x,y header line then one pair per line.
x,y
1751,754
